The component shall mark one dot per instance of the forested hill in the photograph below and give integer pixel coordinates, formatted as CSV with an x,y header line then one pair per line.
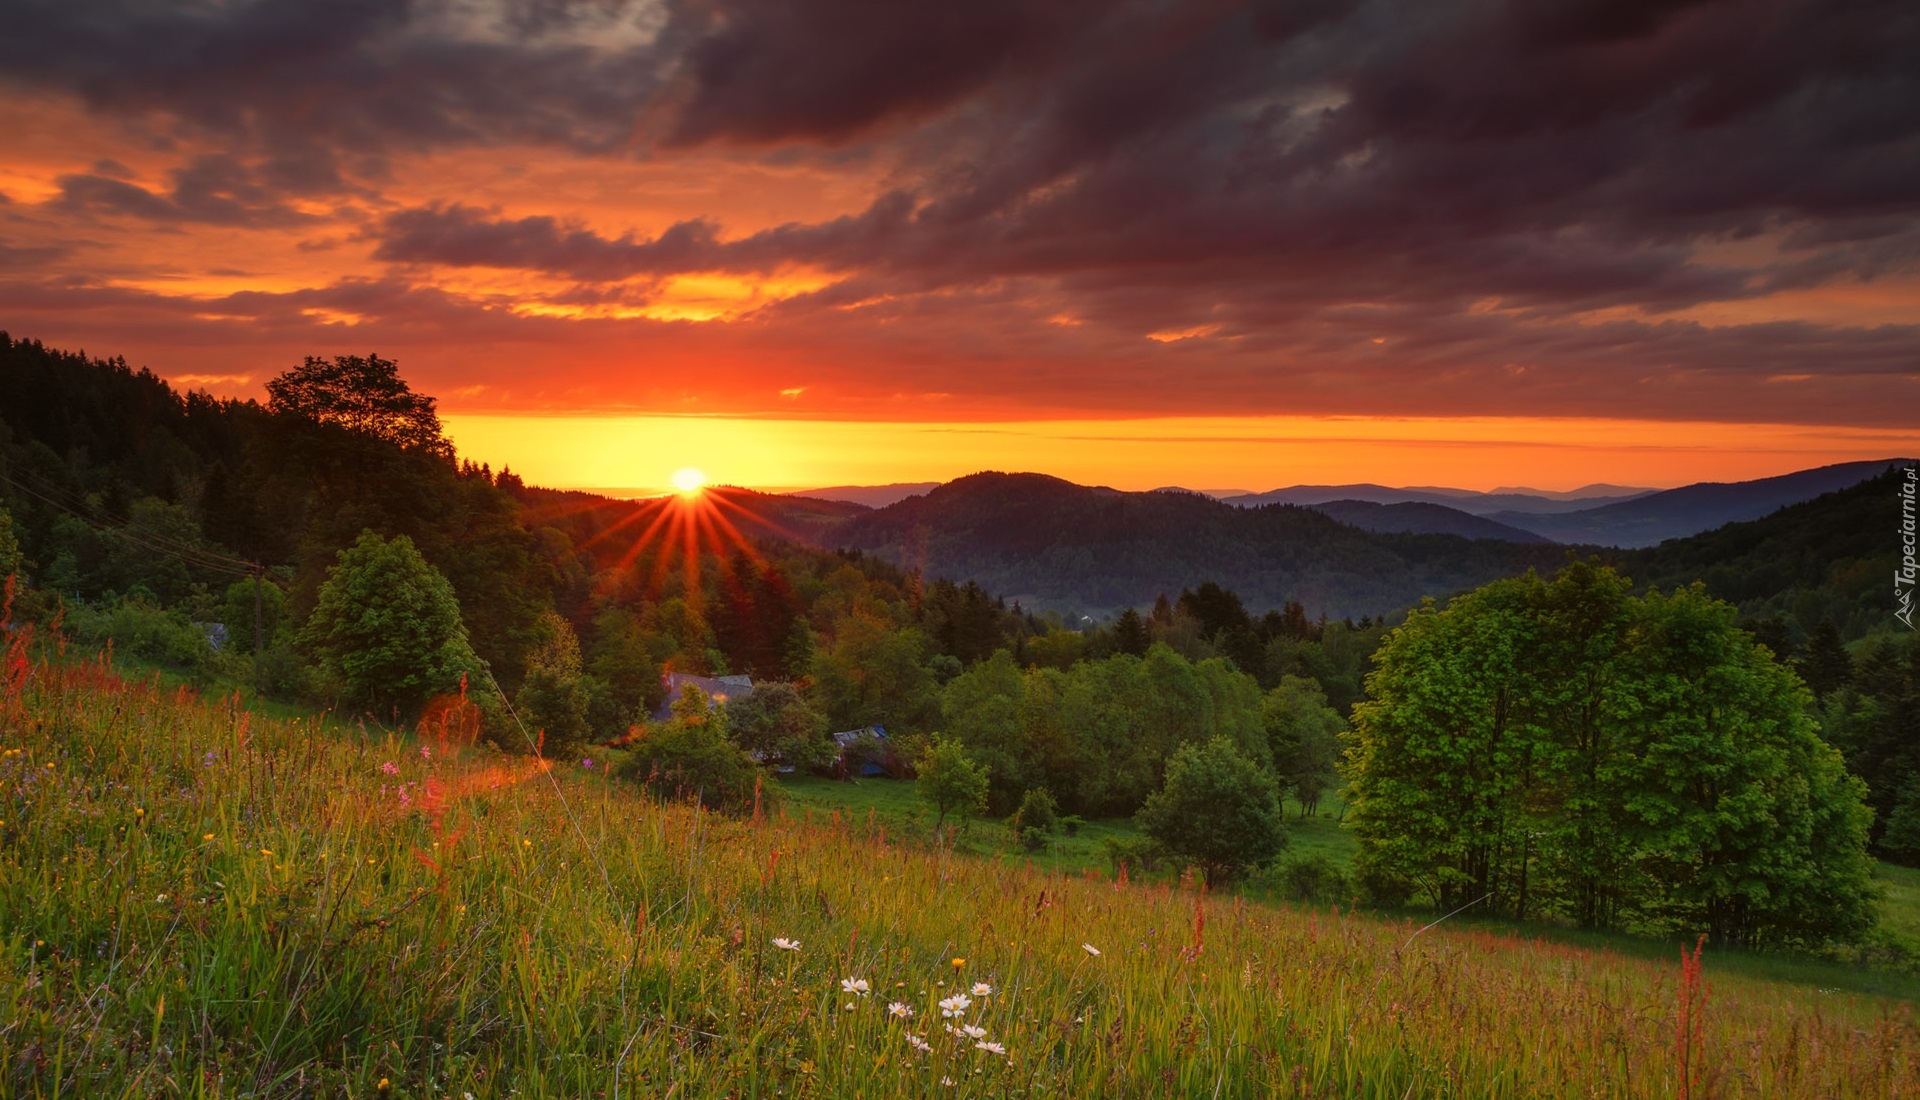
x,y
1053,543
1831,557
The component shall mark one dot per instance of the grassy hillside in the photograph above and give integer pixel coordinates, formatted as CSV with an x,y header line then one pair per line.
x,y
195,901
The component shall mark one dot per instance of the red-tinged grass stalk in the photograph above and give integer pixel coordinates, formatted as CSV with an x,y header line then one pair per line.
x,y
184,912
1692,1008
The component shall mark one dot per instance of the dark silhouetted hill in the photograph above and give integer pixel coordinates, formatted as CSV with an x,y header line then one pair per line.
x,y
1832,556
1413,518
1052,543
1691,509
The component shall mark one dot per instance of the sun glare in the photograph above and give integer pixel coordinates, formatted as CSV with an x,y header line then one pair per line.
x,y
688,479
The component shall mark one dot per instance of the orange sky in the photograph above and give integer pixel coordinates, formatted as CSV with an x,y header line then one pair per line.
x,y
799,248
637,455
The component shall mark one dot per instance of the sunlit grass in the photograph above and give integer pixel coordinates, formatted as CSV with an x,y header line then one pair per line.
x,y
196,901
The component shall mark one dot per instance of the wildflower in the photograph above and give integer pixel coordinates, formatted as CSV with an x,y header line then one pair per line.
x,y
919,1044
208,759
1090,949
954,1005
587,763
990,1048
901,1010
947,1081
383,1086
390,768
266,851
206,836
854,985
958,963
785,944
973,1032
426,753
982,989
523,844
162,899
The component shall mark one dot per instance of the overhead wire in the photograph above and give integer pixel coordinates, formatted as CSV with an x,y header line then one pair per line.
x,y
147,540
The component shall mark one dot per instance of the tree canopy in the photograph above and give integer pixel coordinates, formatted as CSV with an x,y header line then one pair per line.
x,y
1218,809
387,626
1564,747
360,394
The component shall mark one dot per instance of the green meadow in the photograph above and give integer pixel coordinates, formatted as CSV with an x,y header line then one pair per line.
x,y
200,901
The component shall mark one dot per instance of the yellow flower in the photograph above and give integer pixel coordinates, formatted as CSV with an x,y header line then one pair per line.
x,y
208,836
383,1085
266,851
958,963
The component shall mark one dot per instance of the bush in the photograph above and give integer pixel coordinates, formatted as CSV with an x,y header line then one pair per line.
x,y
1070,824
691,756
1137,853
1037,811
1382,888
1218,810
1314,878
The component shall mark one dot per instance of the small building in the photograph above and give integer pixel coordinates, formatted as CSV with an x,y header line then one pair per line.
x,y
718,689
864,752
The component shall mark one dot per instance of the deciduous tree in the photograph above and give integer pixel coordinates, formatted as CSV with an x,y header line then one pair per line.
x,y
387,627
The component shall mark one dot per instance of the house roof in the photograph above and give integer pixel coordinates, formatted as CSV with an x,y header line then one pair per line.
x,y
718,690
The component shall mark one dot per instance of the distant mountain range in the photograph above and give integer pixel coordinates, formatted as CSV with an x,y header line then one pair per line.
x,y
1676,513
1053,544
1796,546
1619,516
873,496
1417,518
1464,500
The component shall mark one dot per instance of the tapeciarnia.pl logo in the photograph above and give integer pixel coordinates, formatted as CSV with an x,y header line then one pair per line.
x,y
1903,575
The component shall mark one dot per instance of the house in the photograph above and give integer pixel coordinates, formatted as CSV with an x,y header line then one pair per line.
x,y
718,689
864,752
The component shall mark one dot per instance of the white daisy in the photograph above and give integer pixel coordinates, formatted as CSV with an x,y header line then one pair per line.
x,y
785,944
1090,949
854,985
955,1005
990,1048
901,1009
972,1032
982,989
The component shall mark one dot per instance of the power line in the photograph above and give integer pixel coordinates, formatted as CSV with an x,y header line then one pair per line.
x,y
148,540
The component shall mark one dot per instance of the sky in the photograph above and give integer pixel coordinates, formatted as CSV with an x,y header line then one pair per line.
x,y
1215,244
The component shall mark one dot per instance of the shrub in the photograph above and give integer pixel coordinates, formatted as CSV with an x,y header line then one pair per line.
x,y
1314,878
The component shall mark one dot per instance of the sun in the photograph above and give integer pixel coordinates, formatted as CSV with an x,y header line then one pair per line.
x,y
688,480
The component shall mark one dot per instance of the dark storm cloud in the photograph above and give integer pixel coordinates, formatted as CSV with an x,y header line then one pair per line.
x,y
213,189
355,76
1452,186
460,236
1565,157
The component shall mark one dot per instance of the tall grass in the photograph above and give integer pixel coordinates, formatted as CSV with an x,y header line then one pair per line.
x,y
196,901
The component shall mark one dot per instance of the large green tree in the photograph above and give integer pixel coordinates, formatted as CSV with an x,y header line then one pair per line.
x,y
1564,747
387,628
1218,810
361,394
